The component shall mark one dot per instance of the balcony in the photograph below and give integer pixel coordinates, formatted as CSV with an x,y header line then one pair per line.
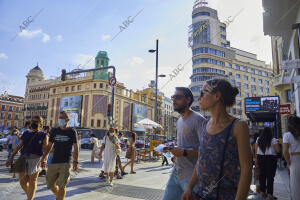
x,y
36,108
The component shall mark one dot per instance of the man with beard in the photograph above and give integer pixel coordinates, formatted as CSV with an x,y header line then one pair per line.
x,y
189,126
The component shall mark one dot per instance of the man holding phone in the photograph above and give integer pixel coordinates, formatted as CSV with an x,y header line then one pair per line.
x,y
189,125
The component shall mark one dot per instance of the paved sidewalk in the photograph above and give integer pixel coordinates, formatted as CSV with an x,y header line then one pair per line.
x,y
149,183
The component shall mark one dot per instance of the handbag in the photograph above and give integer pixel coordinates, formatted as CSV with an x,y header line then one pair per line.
x,y
19,165
129,153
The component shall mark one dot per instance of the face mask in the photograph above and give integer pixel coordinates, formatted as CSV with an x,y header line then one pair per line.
x,y
111,134
251,140
34,125
61,122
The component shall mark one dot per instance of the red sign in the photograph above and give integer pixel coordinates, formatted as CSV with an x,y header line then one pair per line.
x,y
112,81
284,109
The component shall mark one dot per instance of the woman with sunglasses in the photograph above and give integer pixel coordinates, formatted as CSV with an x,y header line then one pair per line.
x,y
224,166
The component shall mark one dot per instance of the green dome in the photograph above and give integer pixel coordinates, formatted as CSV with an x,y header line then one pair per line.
x,y
102,54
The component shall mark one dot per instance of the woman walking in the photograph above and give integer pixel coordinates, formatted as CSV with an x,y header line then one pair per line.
x,y
291,153
131,151
266,148
110,146
32,143
224,166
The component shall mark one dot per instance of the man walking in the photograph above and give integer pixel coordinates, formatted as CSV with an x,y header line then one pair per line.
x,y
189,125
62,139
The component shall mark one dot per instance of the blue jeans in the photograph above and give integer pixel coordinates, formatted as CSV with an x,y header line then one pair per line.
x,y
175,188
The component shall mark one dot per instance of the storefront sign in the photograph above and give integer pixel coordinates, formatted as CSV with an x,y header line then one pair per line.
x,y
285,109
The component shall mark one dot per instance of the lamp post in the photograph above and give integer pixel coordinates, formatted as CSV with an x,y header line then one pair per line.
x,y
156,80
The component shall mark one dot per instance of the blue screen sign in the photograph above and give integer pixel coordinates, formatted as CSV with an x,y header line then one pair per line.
x,y
252,104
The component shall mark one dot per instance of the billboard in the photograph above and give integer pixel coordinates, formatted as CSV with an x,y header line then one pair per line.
x,y
261,104
139,112
72,105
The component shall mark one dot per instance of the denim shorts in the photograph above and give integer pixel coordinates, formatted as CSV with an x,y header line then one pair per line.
x,y
175,188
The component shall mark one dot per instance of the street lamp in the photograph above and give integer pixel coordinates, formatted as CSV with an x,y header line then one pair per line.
x,y
156,78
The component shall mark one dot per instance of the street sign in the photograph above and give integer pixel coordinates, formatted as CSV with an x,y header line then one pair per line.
x,y
285,109
112,81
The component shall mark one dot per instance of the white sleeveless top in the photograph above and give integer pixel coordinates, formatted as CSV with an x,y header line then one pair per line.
x,y
291,140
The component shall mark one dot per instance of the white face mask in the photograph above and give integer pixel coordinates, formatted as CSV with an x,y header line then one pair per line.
x,y
111,134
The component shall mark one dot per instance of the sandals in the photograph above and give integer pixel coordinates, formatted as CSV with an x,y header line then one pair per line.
x,y
132,172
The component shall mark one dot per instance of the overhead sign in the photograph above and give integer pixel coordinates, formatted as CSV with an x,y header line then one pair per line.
x,y
112,81
261,104
285,109
72,105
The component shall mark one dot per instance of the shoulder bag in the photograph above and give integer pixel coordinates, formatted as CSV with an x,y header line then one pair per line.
x,y
19,165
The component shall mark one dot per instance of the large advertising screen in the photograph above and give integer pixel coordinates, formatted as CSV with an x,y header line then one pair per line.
x,y
139,112
261,104
72,105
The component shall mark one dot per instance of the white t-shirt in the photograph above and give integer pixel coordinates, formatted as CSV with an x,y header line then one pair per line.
x,y
291,140
270,150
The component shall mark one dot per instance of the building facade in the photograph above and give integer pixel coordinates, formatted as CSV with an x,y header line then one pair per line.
x,y
11,111
213,57
36,95
281,22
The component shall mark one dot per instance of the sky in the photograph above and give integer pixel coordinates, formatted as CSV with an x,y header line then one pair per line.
x,y
64,34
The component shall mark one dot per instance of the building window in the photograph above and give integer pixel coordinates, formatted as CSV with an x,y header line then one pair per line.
x,y
239,102
223,37
95,85
223,44
237,67
267,91
267,82
233,82
259,73
209,51
252,79
101,85
10,109
79,87
245,86
67,89
17,109
53,91
208,60
238,76
73,88
92,123
288,95
260,81
3,107
16,117
252,71
201,14
222,28
9,116
245,78
238,84
229,65
246,94
265,74
261,89
245,69
253,87
98,123
208,69
104,123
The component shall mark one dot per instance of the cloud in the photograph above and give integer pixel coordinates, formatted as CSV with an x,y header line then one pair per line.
x,y
84,61
3,56
59,38
27,34
46,38
105,37
135,61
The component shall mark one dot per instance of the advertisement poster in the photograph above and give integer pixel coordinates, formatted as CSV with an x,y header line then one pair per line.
x,y
139,112
72,105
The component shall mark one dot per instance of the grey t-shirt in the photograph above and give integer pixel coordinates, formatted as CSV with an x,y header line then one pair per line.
x,y
188,132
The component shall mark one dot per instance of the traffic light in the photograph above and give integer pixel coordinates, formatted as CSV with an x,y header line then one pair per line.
x,y
63,75
108,110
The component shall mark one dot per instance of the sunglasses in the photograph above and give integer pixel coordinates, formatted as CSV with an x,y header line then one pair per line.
x,y
203,92
176,96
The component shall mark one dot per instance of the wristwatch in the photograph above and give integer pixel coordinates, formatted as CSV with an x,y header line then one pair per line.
x,y
184,153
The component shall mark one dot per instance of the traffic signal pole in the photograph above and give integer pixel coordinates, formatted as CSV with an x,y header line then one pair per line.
x,y
63,78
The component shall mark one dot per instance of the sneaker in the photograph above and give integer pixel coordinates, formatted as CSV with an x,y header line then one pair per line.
x,y
111,184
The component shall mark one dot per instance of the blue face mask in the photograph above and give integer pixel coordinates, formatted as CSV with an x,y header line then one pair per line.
x,y
61,122
111,134
251,140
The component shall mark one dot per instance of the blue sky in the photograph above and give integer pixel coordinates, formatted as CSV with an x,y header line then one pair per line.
x,y
70,32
